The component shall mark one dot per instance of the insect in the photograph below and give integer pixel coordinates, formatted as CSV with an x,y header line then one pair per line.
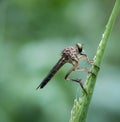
x,y
69,55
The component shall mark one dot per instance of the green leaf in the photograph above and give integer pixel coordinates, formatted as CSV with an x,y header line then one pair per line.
x,y
80,107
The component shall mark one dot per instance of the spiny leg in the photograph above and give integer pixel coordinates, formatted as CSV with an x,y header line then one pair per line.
x,y
85,57
74,68
84,70
80,82
81,69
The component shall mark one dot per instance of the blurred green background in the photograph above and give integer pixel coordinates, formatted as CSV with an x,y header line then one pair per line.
x,y
32,36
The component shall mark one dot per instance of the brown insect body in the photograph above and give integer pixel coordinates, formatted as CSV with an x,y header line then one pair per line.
x,y
69,55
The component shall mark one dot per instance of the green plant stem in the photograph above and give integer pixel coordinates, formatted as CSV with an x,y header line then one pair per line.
x,y
80,107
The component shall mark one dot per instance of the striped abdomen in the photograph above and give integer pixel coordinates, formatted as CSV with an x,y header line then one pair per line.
x,y
52,72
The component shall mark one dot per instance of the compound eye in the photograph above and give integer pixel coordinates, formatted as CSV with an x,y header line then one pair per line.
x,y
79,47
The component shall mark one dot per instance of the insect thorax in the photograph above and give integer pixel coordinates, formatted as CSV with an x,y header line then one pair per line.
x,y
70,54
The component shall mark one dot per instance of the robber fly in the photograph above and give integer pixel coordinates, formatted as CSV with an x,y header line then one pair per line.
x,y
69,55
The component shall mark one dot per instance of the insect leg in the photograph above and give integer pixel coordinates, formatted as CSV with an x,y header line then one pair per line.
x,y
85,57
80,69
76,80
